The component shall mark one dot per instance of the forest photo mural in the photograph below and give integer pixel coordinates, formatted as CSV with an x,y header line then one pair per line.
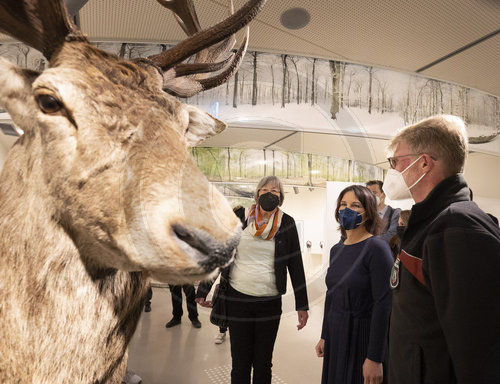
x,y
316,96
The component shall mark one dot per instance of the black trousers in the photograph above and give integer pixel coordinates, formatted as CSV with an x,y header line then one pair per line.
x,y
189,292
253,325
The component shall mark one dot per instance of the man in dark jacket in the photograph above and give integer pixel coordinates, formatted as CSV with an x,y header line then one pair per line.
x,y
446,279
389,215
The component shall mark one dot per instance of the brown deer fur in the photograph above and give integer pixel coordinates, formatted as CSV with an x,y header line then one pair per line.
x,y
96,196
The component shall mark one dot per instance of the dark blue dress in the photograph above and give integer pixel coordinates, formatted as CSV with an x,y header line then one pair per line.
x,y
357,309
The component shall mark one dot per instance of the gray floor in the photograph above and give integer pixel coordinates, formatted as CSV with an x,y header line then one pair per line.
x,y
185,355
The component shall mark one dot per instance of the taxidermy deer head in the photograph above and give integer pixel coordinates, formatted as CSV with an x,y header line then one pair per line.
x,y
109,147
100,193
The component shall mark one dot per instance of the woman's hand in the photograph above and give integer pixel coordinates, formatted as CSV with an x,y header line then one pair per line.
x,y
372,372
203,302
320,348
303,316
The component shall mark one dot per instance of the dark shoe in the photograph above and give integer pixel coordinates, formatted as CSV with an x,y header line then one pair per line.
x,y
172,323
196,323
147,308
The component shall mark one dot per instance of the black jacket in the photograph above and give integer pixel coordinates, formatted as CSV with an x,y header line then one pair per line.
x,y
445,328
287,255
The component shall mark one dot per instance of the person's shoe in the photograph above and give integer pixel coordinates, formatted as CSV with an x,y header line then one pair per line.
x,y
219,339
196,323
172,323
147,308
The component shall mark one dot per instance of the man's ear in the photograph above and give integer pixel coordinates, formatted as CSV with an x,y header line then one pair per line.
x,y
201,126
428,163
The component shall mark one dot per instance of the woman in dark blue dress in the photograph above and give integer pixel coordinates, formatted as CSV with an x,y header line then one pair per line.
x,y
353,340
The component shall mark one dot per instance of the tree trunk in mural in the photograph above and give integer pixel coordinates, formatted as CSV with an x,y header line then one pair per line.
x,y
272,86
352,73
306,100
123,47
242,88
328,168
441,105
383,96
216,161
274,165
464,98
313,83
309,168
451,99
406,110
294,62
496,111
342,80
229,164
24,50
294,166
254,86
370,98
235,91
288,87
326,91
335,72
283,87
265,162
240,163
288,165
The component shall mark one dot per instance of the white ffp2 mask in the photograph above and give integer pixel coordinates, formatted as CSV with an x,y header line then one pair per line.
x,y
395,186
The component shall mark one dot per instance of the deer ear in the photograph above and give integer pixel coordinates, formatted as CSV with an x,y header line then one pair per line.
x,y
16,95
201,126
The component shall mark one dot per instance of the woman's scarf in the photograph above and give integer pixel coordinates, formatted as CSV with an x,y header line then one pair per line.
x,y
258,227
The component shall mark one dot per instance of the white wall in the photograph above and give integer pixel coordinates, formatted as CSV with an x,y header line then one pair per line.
x,y
308,207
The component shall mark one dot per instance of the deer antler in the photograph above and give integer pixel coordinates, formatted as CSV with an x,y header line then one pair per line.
x,y
210,46
42,24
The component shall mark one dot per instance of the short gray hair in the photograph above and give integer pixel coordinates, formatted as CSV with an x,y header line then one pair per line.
x,y
442,136
275,182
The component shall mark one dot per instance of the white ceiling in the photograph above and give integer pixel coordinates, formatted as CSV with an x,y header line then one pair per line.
x,y
396,34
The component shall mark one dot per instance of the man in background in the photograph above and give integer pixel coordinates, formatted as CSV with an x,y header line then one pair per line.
x,y
445,313
388,214
176,293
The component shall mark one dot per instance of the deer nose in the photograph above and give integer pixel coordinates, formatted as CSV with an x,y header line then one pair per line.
x,y
203,248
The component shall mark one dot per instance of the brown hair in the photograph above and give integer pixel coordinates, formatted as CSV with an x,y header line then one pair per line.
x,y
444,137
373,224
380,183
404,216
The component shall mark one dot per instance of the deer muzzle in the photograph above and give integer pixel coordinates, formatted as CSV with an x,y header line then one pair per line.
x,y
208,252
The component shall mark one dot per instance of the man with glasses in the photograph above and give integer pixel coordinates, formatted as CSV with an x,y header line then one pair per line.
x,y
446,309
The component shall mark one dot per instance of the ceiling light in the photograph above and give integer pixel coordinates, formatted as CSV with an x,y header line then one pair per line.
x,y
295,18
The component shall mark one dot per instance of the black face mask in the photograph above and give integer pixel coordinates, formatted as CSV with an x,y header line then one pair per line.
x,y
400,230
268,201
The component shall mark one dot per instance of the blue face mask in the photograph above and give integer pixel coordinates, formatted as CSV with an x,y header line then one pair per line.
x,y
350,219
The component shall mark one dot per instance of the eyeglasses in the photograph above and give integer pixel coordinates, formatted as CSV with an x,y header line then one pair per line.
x,y
393,161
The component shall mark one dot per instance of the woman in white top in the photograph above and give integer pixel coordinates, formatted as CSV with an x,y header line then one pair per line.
x,y
269,247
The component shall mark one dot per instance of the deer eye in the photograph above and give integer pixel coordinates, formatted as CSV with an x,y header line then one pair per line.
x,y
48,104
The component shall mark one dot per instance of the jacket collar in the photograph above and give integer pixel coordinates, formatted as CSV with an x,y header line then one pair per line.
x,y
450,190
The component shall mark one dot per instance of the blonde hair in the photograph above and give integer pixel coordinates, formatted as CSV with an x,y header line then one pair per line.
x,y
275,182
444,137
